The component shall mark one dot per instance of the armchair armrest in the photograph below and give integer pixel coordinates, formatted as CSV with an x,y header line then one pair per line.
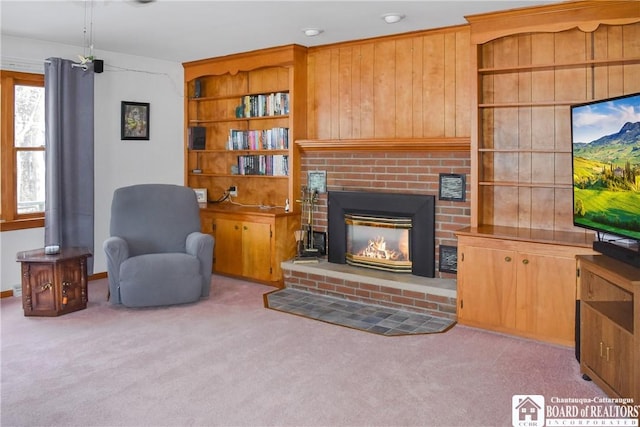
x,y
117,251
200,245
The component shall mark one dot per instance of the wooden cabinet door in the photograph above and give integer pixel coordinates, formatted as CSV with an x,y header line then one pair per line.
x,y
228,247
590,338
208,223
487,287
41,297
546,297
617,353
208,226
606,349
72,292
256,250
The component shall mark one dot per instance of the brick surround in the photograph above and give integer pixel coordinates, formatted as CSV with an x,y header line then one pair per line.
x,y
436,297
395,172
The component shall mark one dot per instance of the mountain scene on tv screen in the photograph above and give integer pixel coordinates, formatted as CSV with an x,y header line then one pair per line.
x,y
606,178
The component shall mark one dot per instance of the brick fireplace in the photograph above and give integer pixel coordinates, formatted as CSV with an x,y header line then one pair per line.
x,y
414,172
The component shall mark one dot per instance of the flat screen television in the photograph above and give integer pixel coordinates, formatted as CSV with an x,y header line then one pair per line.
x,y
606,174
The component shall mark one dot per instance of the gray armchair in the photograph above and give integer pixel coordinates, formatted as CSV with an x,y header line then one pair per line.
x,y
156,254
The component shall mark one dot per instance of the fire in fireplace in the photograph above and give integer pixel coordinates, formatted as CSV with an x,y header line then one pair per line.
x,y
390,231
378,242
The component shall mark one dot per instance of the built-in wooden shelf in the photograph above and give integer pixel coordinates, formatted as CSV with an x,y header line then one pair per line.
x,y
386,144
524,184
524,150
531,104
559,65
235,95
237,119
236,175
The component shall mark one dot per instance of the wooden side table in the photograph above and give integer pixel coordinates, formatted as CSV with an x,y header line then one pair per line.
x,y
53,285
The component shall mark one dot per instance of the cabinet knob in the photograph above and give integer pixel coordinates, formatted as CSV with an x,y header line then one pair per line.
x,y
245,228
507,258
236,227
525,261
65,287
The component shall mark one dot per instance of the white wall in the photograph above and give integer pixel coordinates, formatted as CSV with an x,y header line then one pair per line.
x,y
117,163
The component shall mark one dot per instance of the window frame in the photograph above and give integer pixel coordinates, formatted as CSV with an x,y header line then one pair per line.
x,y
9,217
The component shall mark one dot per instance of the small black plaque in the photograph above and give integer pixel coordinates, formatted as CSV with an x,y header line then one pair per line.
x,y
320,242
448,259
452,187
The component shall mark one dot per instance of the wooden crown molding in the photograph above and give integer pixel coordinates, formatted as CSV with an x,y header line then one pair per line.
x,y
585,15
282,56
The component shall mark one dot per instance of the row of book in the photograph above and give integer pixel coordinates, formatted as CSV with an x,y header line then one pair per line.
x,y
273,104
260,164
267,139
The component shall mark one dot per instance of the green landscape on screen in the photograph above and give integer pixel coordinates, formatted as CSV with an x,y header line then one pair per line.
x,y
606,182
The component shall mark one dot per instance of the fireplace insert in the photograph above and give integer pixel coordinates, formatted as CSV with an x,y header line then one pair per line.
x,y
361,219
378,242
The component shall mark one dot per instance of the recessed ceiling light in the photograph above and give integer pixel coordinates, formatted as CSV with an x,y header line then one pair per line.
x,y
311,32
392,18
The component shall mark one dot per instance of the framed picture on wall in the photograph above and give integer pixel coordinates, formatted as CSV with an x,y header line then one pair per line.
x,y
134,120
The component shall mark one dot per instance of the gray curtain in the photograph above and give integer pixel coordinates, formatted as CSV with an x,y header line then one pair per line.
x,y
69,155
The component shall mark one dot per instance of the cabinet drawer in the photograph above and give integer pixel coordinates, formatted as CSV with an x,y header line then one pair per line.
x,y
596,288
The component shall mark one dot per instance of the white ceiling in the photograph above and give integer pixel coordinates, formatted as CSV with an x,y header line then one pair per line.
x,y
182,31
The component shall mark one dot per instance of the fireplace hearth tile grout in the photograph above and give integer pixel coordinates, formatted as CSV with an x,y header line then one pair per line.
x,y
357,315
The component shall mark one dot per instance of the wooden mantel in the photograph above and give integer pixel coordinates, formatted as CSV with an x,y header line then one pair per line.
x,y
385,144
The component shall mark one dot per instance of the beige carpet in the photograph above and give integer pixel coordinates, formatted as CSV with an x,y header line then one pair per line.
x,y
228,361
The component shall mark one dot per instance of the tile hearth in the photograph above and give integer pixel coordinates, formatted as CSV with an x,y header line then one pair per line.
x,y
366,317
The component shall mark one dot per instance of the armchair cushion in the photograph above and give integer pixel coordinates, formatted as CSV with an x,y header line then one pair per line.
x,y
160,279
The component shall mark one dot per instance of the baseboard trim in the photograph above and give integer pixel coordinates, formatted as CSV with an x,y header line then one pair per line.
x,y
97,276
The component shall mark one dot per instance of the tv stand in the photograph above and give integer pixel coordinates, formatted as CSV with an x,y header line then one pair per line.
x,y
609,325
626,255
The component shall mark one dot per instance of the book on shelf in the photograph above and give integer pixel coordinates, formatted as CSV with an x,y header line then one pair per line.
x,y
266,139
265,105
261,164
197,138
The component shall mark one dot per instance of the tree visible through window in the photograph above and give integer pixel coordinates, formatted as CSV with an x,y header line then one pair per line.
x,y
29,143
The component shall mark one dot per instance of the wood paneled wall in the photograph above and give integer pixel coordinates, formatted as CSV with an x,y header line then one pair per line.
x,y
410,87
414,85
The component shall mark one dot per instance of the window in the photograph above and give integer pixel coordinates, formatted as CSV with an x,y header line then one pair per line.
x,y
22,150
